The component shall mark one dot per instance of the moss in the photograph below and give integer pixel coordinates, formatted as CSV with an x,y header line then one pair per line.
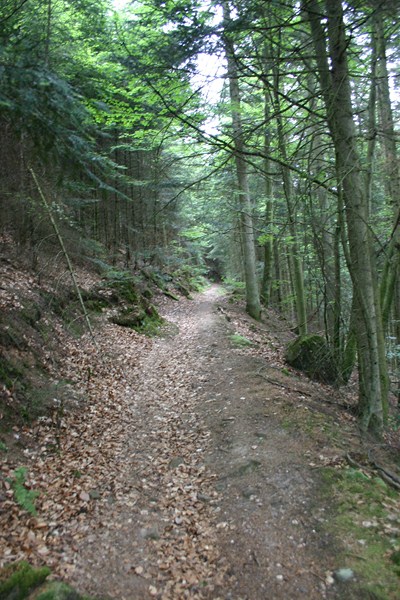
x,y
312,355
17,579
20,581
151,325
144,319
363,508
129,317
123,285
240,340
183,289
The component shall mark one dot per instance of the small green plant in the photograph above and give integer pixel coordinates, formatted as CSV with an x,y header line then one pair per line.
x,y
24,497
240,340
3,447
18,579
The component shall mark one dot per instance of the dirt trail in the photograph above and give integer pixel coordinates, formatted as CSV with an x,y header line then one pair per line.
x,y
219,500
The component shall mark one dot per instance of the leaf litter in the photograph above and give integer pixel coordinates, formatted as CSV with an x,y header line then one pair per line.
x,y
164,481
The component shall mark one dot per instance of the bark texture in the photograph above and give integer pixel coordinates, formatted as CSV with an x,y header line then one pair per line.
x,y
253,305
335,84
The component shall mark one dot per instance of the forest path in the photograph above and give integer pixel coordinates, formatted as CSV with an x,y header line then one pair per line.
x,y
218,498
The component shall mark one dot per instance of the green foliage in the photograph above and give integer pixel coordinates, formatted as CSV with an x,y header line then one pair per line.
x,y
23,496
18,579
189,277
151,325
236,288
123,284
240,340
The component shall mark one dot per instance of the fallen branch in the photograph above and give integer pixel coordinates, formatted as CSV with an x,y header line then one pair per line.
x,y
282,385
353,463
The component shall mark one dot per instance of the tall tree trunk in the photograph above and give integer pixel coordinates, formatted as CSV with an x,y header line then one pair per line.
x,y
295,258
269,203
253,306
326,231
391,168
269,215
335,84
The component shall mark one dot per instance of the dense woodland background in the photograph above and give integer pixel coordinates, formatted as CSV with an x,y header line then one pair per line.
x,y
253,142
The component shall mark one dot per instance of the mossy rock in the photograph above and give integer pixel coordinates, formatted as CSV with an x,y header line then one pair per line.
x,y
130,317
18,579
312,355
122,283
144,319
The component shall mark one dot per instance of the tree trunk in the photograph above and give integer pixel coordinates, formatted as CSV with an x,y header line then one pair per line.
x,y
295,257
335,84
391,168
269,204
252,292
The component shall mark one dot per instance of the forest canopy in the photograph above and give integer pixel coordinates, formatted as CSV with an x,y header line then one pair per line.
x,y
254,140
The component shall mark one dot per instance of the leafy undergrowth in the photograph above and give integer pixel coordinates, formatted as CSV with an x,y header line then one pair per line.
x,y
21,581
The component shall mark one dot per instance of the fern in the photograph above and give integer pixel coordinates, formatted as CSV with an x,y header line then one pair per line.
x,y
24,497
